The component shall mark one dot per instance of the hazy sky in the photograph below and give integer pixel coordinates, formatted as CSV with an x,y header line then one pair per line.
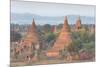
x,y
51,9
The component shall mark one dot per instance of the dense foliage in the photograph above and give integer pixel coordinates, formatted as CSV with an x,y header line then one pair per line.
x,y
83,44
15,36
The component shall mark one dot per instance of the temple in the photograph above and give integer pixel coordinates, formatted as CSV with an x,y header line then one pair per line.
x,y
63,40
78,24
29,47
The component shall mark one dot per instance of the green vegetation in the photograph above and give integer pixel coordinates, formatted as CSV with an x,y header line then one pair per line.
x,y
15,36
46,28
50,36
81,41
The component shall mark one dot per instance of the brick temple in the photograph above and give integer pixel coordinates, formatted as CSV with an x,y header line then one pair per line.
x,y
32,36
63,40
78,24
29,47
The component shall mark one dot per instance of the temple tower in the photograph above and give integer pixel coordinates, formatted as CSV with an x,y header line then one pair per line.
x,y
78,24
63,40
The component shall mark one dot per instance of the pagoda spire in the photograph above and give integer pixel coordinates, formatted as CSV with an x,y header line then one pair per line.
x,y
78,23
33,23
65,25
32,27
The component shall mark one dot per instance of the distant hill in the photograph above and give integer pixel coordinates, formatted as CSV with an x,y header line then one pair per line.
x,y
26,18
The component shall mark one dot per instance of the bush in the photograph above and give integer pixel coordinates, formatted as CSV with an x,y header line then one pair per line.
x,y
15,36
50,36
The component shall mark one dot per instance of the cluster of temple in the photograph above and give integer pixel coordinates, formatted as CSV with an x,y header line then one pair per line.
x,y
32,44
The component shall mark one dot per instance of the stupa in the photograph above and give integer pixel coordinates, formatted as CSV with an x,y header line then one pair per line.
x,y
63,40
32,36
78,24
54,29
31,44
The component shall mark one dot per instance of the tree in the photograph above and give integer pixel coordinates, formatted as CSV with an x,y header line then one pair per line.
x,y
46,28
15,36
50,37
59,26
